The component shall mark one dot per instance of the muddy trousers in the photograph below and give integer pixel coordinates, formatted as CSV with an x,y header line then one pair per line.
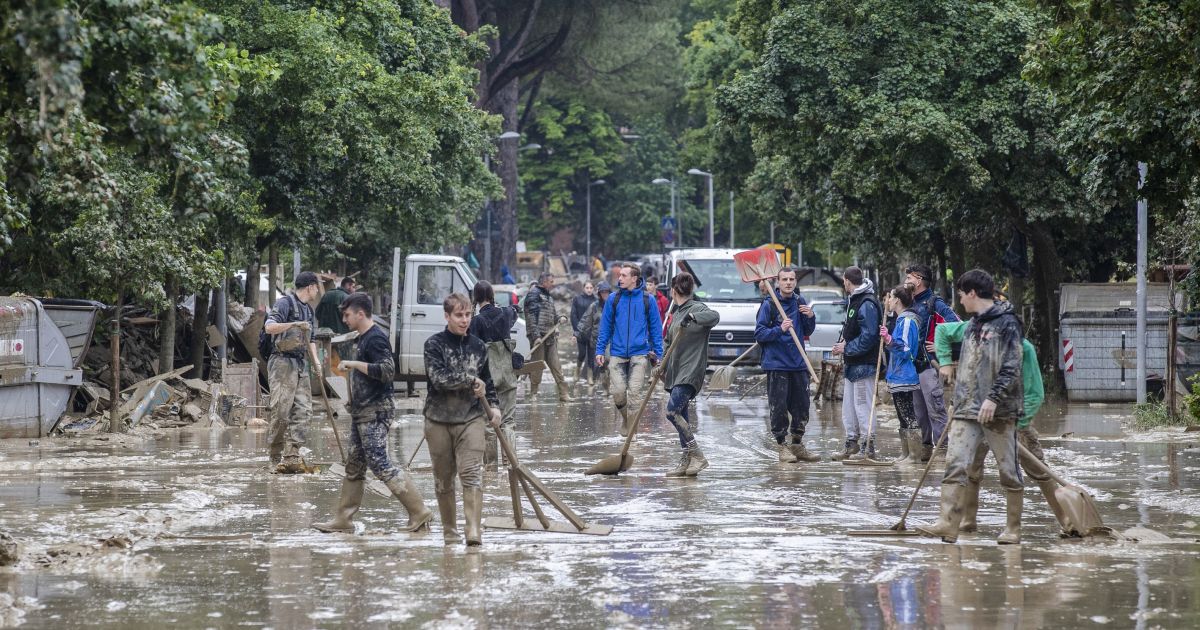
x,y
906,413
856,407
291,405
368,445
930,404
547,352
1028,437
456,449
677,413
587,368
787,397
626,378
970,441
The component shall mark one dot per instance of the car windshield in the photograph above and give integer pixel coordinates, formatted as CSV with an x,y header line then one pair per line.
x,y
721,282
813,295
829,313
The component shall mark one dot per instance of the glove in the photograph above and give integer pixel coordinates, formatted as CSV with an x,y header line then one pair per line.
x,y
653,358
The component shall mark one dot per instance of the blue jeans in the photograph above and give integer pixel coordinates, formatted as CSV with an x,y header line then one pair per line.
x,y
677,412
368,445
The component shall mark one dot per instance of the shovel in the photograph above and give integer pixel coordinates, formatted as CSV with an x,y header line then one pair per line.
x,y
1077,515
374,485
722,377
617,464
757,265
866,461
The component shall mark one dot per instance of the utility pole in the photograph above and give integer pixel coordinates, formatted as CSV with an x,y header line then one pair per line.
x,y
731,220
1142,236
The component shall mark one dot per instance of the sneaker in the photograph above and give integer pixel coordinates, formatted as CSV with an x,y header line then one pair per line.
x,y
849,450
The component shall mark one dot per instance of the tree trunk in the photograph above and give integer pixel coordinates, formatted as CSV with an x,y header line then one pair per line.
x,y
199,333
272,273
1047,276
166,328
504,211
252,279
958,263
114,413
939,248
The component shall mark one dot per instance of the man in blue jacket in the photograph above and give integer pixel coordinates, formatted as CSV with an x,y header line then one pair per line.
x,y
787,375
631,332
931,404
860,348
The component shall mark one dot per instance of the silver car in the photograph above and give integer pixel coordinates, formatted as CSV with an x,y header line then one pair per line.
x,y
830,314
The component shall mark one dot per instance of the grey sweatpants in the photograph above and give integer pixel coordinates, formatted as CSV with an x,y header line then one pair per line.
x,y
856,407
930,405
970,441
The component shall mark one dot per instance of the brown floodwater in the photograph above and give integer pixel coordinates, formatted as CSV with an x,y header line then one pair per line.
x,y
216,541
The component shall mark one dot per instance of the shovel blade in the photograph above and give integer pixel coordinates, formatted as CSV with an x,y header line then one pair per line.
x,y
1080,515
611,465
722,377
757,264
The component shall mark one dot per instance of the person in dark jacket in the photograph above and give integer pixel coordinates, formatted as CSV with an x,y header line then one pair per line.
x,y
290,323
683,372
540,319
493,325
930,404
456,365
371,412
579,307
860,347
989,400
589,327
631,332
787,374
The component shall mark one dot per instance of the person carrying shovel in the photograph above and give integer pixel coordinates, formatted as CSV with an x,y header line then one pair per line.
x,y
787,373
371,412
456,365
988,402
683,375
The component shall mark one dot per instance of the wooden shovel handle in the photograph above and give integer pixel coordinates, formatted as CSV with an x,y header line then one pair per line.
x,y
875,393
799,346
325,398
1046,469
645,399
743,355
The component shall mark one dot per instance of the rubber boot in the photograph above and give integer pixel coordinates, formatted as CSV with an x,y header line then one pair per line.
x,y
680,470
699,461
404,489
850,449
926,452
491,450
904,452
1048,487
914,446
563,394
348,504
473,514
970,508
1012,527
785,455
449,515
623,414
946,526
290,465
800,452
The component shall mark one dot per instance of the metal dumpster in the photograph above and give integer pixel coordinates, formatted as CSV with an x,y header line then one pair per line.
x,y
39,364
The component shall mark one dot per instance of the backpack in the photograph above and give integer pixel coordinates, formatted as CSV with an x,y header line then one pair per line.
x,y
266,343
646,304
922,360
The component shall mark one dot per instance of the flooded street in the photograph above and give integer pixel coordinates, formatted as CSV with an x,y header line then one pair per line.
x,y
215,541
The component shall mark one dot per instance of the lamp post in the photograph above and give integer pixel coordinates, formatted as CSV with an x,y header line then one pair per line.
x,y
662,181
487,208
598,182
700,173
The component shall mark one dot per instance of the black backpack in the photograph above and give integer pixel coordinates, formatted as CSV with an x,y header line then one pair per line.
x,y
266,343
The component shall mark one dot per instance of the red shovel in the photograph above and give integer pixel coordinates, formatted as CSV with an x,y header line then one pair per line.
x,y
757,265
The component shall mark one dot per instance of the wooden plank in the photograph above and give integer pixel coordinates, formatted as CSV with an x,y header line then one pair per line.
x,y
537,509
516,496
551,497
558,527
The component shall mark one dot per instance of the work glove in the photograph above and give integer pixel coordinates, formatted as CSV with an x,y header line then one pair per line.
x,y
653,356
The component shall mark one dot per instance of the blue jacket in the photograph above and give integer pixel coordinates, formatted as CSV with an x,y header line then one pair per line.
x,y
906,340
779,353
632,329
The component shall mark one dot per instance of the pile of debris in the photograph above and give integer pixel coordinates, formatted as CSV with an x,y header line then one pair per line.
x,y
170,400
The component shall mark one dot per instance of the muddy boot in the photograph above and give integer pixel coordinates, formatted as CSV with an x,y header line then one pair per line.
x,y
866,451
904,452
849,450
699,461
946,526
449,515
290,465
343,516
1048,487
926,452
563,394
914,446
473,514
801,453
1012,527
785,455
403,488
623,416
491,449
680,470
970,508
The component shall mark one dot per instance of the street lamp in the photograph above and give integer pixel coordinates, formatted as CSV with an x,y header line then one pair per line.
x,y
662,181
700,173
487,241
598,182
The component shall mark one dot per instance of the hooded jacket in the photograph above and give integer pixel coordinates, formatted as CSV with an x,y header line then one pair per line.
x,y
579,307
630,326
906,338
688,335
779,352
926,305
861,332
990,366
950,333
540,316
452,363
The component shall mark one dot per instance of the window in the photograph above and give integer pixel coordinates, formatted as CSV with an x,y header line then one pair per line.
x,y
829,313
722,282
436,282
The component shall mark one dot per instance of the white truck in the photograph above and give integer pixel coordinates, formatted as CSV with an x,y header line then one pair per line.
x,y
427,280
721,289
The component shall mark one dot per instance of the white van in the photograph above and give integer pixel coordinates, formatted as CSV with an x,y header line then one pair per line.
x,y
721,289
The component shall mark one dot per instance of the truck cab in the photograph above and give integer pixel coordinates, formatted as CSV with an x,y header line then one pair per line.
x,y
428,280
721,289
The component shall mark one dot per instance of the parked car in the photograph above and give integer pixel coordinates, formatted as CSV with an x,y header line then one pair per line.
x,y
510,294
830,314
820,294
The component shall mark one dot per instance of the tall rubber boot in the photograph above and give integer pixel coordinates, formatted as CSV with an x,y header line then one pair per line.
x,y
904,452
623,414
1012,527
348,504
404,489
970,507
449,515
946,526
914,446
473,514
698,461
563,394
926,452
1048,487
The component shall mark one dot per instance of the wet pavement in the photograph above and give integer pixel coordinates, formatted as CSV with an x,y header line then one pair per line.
x,y
201,536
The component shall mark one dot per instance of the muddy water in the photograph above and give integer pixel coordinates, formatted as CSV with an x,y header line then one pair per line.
x,y
750,543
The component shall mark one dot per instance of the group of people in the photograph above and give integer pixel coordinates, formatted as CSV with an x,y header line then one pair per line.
x,y
472,372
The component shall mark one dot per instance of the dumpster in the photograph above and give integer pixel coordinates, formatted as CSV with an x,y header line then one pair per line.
x,y
39,363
